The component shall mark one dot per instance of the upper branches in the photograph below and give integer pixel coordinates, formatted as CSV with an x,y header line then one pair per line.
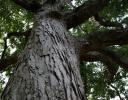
x,y
99,40
74,17
28,5
106,23
83,12
35,5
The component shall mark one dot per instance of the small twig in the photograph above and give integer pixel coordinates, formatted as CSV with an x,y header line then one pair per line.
x,y
5,47
82,30
117,91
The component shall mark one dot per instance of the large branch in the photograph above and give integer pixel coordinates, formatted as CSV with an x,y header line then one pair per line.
x,y
102,56
83,12
119,59
17,34
110,58
99,40
107,23
108,61
33,6
91,56
4,63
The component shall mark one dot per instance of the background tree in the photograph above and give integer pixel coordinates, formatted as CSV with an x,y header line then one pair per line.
x,y
98,27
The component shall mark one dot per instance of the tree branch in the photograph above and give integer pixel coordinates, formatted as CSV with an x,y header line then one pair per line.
x,y
107,23
119,59
99,40
91,56
103,55
4,63
110,58
106,60
17,34
5,47
33,6
83,12
118,93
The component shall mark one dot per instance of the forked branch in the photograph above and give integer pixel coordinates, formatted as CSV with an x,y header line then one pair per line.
x,y
99,40
106,60
28,5
111,59
84,12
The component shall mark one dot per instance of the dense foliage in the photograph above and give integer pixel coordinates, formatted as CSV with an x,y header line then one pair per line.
x,y
98,81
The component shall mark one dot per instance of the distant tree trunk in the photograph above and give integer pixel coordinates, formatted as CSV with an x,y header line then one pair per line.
x,y
49,66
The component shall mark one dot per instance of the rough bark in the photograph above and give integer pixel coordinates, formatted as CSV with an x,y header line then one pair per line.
x,y
48,68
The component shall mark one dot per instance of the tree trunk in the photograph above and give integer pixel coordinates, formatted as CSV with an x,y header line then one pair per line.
x,y
49,66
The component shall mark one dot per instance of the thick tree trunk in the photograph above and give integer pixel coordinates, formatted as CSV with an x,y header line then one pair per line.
x,y
49,67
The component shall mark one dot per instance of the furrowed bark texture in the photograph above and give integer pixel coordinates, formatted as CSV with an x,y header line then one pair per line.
x,y
48,68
